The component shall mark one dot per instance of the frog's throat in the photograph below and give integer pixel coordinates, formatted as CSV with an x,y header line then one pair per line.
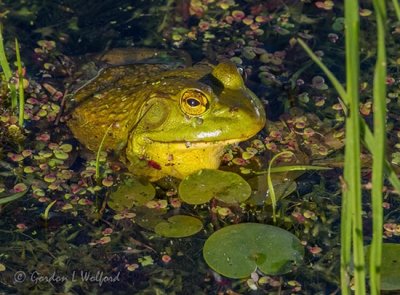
x,y
177,159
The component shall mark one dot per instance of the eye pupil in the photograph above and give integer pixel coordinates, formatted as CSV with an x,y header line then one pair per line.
x,y
193,102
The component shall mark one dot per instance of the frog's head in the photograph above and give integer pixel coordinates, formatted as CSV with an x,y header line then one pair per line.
x,y
185,124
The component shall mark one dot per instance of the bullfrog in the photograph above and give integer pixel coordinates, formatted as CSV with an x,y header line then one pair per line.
x,y
163,121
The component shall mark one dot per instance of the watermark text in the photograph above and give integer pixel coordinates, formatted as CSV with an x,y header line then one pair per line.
x,y
98,277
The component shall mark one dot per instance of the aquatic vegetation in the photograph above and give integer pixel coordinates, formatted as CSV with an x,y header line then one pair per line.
x,y
131,192
179,226
7,71
99,150
389,273
46,213
238,250
21,81
5,198
269,181
352,205
113,222
202,186
17,98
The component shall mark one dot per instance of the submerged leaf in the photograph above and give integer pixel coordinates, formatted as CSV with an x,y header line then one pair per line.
x,y
179,226
202,186
390,268
130,193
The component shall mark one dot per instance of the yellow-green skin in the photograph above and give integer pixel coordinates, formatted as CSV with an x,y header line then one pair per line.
x,y
137,109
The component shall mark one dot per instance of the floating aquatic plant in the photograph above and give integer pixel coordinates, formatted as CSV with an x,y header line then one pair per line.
x,y
200,187
131,192
179,226
236,251
390,269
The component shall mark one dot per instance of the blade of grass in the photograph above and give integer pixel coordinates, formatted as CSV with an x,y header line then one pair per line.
x,y
45,215
97,175
3,58
352,166
7,70
289,168
379,108
396,9
335,82
345,238
21,102
270,184
369,141
13,197
297,168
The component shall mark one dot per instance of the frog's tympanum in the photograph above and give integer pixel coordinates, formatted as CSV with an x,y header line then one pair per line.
x,y
163,121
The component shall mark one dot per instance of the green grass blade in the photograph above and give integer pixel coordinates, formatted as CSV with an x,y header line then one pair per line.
x,y
13,197
353,143
21,104
346,236
297,168
271,185
3,58
379,107
7,70
335,82
397,9
289,168
45,215
97,175
368,140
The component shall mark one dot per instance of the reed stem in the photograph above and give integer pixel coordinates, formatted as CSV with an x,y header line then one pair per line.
x,y
378,154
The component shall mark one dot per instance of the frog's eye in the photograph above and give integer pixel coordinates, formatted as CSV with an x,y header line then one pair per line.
x,y
194,103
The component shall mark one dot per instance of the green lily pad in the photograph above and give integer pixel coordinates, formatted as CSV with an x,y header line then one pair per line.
x,y
131,192
202,186
179,226
390,269
238,250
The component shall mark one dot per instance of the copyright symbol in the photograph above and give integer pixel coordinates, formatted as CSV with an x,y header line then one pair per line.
x,y
19,276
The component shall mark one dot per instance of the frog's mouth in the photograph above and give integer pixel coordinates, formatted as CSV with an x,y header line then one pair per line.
x,y
205,139
198,144
203,144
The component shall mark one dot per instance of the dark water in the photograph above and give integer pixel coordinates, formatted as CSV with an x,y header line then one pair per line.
x,y
84,246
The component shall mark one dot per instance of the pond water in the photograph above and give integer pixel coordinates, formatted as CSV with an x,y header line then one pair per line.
x,y
108,179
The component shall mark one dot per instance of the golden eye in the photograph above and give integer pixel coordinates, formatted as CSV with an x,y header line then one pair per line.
x,y
194,103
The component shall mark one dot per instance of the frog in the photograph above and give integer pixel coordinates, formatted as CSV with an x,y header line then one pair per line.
x,y
165,121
